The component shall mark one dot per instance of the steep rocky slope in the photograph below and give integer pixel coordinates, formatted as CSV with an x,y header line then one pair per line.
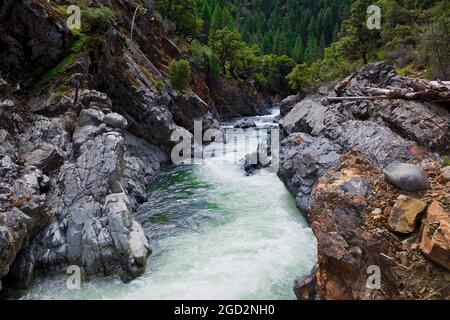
x,y
85,126
334,159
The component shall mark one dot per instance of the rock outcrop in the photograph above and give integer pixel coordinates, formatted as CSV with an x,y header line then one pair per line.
x,y
355,244
363,172
84,129
435,242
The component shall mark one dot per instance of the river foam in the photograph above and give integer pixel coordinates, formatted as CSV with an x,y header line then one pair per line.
x,y
216,234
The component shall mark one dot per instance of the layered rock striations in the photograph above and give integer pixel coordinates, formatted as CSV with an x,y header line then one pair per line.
x,y
368,177
85,126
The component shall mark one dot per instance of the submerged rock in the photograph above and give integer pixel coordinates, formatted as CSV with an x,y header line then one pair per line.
x,y
407,177
246,124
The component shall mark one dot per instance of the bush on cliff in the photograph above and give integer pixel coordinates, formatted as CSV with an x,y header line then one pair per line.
x,y
98,18
300,78
179,73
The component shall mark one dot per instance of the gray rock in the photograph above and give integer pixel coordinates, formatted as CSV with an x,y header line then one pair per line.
x,y
8,168
303,159
43,130
90,117
306,116
14,227
251,163
115,120
142,162
257,160
46,158
92,98
10,119
407,177
287,104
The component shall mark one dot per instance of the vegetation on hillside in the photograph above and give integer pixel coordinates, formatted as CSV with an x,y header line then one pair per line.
x,y
414,37
277,44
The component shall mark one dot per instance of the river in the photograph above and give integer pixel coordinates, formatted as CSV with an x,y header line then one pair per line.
x,y
215,233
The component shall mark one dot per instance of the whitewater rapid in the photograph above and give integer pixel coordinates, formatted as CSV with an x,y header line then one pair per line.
x,y
215,233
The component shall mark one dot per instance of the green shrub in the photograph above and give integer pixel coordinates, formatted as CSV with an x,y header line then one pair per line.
x,y
97,18
300,77
445,161
159,84
214,65
179,73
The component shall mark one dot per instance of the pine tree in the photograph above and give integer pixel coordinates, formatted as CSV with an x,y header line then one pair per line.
x,y
297,52
312,52
216,19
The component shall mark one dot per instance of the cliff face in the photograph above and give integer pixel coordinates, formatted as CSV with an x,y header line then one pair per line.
x,y
85,124
340,161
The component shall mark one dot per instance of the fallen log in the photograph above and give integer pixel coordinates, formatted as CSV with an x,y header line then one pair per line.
x,y
404,88
441,94
330,100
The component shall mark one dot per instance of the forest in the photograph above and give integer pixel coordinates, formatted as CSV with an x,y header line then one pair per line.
x,y
295,44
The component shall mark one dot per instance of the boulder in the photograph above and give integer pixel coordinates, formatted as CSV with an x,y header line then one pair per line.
x,y
404,214
127,234
257,160
46,158
445,173
14,226
116,121
306,116
305,287
93,98
92,117
287,104
245,124
407,177
435,242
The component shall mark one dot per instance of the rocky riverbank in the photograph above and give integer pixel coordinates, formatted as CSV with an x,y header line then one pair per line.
x,y
85,125
334,160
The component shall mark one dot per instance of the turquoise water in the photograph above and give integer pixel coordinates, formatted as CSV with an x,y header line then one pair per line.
x,y
215,234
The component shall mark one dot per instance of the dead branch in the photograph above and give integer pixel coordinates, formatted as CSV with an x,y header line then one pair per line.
x,y
408,89
341,86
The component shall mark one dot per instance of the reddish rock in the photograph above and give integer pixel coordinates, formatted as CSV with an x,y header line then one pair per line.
x,y
436,235
351,244
404,214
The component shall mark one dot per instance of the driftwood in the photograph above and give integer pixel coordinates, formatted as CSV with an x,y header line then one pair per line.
x,y
330,100
408,89
414,89
340,88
